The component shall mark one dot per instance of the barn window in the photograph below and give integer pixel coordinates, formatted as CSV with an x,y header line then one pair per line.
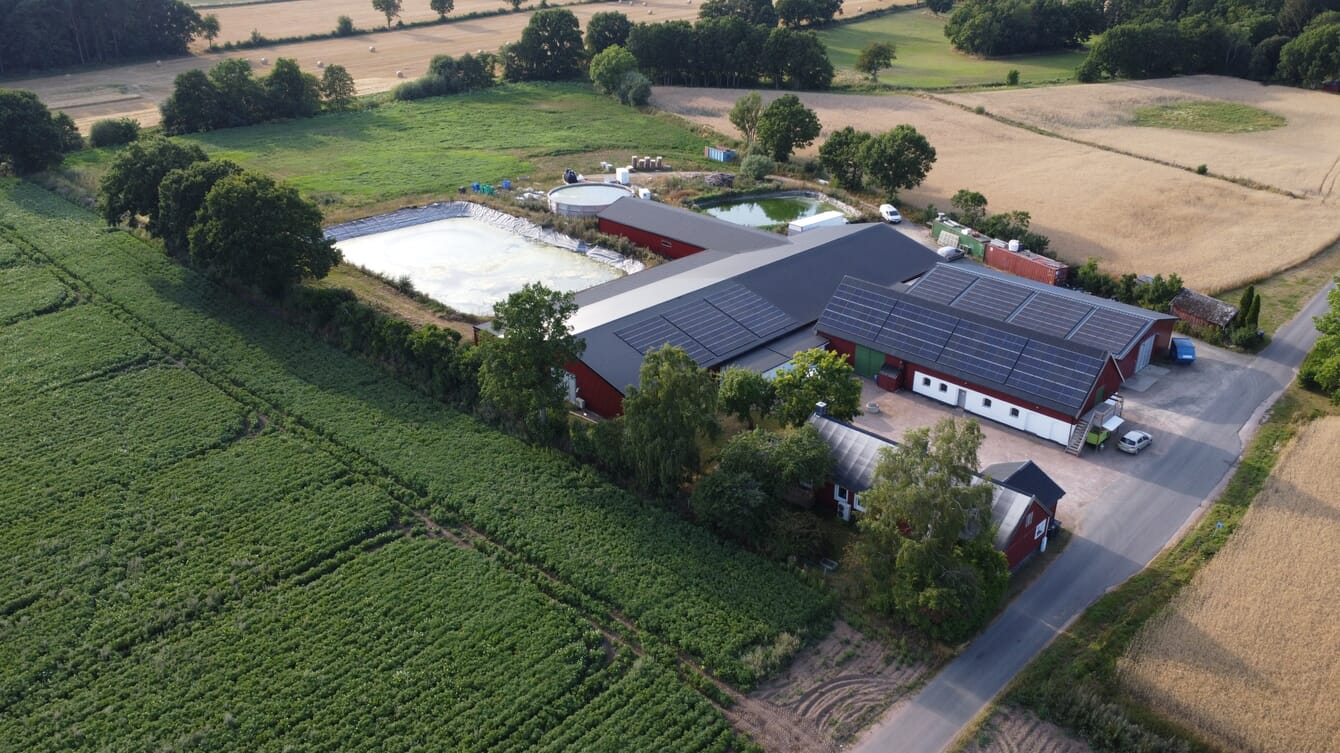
x,y
840,493
667,244
1041,530
944,387
986,402
1029,520
925,381
1014,412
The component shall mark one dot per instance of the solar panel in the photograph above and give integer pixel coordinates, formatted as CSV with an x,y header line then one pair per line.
x,y
995,299
917,331
1062,376
708,325
1051,314
856,311
1109,330
942,284
982,351
751,310
652,333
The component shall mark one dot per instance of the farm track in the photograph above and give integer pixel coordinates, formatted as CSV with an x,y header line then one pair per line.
x,y
1327,187
617,629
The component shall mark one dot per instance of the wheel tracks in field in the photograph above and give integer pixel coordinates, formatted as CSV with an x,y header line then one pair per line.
x,y
1331,177
1039,130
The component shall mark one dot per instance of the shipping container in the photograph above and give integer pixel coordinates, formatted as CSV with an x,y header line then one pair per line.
x,y
946,232
719,153
822,219
1027,264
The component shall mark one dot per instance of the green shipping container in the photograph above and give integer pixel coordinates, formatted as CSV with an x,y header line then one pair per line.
x,y
946,234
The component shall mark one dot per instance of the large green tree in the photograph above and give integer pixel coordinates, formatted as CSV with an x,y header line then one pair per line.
x,y
970,207
744,392
253,231
897,159
815,376
752,12
129,188
673,405
874,58
442,7
606,29
181,194
1312,57
388,8
290,93
786,124
840,155
337,88
30,140
744,115
925,552
609,67
550,48
798,13
1321,368
797,60
732,503
193,106
521,370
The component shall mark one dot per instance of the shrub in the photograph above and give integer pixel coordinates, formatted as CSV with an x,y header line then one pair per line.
x,y
1012,78
634,89
113,132
1202,169
344,26
757,166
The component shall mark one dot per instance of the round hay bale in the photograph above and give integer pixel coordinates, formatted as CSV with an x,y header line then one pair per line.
x,y
372,48
399,74
265,61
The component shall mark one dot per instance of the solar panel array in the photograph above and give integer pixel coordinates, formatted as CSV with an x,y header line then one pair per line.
x,y
1024,305
1109,330
709,329
983,352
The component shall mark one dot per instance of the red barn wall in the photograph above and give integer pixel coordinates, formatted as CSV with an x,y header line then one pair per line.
x,y
1021,545
844,347
600,396
660,244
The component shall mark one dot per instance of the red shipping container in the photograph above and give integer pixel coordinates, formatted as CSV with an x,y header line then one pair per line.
x,y
1027,264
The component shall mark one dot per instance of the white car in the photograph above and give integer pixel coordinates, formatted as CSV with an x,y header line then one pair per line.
x,y
890,213
949,253
1134,441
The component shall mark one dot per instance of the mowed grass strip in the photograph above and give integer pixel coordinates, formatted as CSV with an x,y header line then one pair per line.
x,y
1246,654
1209,117
926,59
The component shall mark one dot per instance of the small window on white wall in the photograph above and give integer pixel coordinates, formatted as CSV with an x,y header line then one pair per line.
x,y
840,493
1014,412
944,387
986,402
925,381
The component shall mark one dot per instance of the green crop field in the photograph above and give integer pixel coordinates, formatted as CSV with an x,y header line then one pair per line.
x,y
926,59
213,539
412,151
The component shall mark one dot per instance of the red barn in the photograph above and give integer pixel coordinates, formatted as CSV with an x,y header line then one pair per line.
x,y
676,233
1200,310
1023,498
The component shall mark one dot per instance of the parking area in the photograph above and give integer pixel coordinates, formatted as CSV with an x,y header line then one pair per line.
x,y
1164,400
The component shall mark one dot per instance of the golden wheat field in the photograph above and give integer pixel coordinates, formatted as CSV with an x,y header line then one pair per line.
x,y
1302,157
1248,655
1132,214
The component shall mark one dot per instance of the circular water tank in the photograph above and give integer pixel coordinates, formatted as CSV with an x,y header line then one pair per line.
x,y
585,199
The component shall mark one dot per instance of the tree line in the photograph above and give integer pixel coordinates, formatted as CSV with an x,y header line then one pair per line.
x,y
1293,41
41,35
230,95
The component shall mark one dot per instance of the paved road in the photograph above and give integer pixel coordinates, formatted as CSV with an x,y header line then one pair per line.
x,y
1118,541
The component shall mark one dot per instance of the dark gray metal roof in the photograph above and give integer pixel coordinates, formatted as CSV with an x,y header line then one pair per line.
x,y
777,352
856,453
687,226
1202,306
1037,307
1025,476
735,303
1051,372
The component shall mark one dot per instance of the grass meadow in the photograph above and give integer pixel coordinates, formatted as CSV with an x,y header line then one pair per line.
x,y
926,59
1208,117
398,153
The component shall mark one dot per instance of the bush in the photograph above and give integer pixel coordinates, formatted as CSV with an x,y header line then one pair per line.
x,y
757,166
634,89
344,26
1202,169
1012,78
113,132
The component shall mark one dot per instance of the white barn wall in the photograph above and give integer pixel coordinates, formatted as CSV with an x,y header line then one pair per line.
x,y
1030,421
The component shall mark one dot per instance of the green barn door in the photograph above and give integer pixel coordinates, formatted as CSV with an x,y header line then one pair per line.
x,y
868,362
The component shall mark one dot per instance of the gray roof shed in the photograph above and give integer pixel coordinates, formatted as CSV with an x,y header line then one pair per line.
x,y
687,226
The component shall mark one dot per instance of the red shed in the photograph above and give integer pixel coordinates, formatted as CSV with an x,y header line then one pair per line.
x,y
1027,264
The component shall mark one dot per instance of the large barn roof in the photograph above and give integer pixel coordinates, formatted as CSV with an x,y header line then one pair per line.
x,y
1004,356
728,305
1037,307
856,453
686,226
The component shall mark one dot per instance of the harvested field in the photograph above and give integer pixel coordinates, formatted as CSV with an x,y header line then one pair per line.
x,y
1302,157
1246,655
1011,730
835,688
1132,214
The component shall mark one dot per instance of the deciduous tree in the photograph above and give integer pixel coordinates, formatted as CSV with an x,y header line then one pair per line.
x,y
841,157
744,115
255,232
290,93
925,552
786,124
1313,57
971,207
181,194
608,67
874,58
521,369
209,28
129,189
733,504
442,7
752,12
897,159
815,376
550,48
30,140
744,392
606,29
388,8
337,88
672,406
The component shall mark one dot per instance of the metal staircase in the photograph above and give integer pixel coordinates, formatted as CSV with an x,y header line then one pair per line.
x,y
1098,416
